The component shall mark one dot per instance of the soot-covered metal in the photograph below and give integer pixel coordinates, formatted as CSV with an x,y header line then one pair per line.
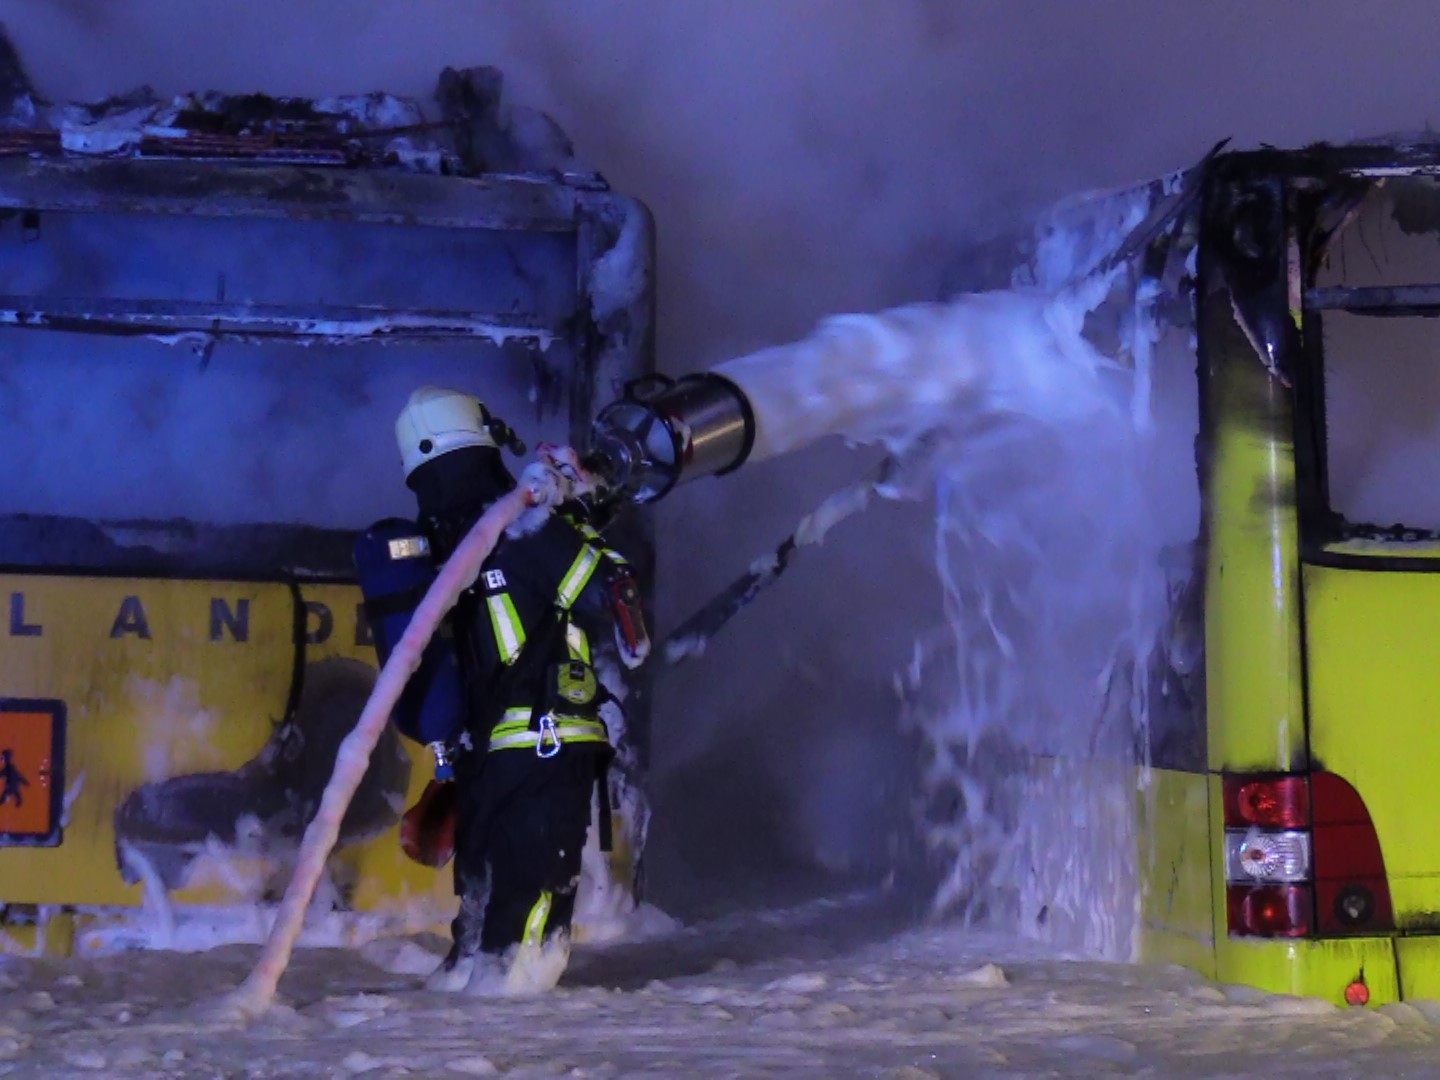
x,y
561,263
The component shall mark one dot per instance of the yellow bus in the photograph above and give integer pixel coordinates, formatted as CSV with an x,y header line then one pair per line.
x,y
1287,830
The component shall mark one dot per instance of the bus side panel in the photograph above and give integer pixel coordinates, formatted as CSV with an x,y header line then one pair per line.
x,y
1419,959
1254,676
164,678
1177,921
1374,706
155,682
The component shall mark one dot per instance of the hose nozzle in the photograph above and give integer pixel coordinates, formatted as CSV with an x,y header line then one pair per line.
x,y
664,431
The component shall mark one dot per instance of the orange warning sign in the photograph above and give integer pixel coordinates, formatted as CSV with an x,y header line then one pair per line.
x,y
31,761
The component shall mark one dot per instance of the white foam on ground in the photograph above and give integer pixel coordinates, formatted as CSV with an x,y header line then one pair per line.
x,y
193,928
813,991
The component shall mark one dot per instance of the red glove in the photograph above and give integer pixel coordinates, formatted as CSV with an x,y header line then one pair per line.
x,y
427,831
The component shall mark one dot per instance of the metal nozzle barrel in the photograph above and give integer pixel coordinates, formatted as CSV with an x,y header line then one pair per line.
x,y
666,431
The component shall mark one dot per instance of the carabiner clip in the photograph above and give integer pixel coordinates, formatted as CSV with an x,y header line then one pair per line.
x,y
547,728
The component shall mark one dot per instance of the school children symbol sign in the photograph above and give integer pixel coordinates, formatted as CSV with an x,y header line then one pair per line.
x,y
32,755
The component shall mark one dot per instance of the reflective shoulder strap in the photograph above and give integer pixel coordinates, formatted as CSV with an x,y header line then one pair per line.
x,y
590,533
578,576
505,622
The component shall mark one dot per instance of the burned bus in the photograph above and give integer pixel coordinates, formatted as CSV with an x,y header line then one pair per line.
x,y
1283,811
1193,718
214,308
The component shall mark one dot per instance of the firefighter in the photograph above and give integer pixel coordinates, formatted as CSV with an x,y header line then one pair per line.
x,y
534,746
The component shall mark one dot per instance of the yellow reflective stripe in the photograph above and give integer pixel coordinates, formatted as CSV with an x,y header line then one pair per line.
x,y
509,728
506,737
505,621
578,642
527,740
578,576
593,535
538,919
521,717
579,729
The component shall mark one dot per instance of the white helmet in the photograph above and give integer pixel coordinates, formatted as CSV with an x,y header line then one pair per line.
x,y
436,421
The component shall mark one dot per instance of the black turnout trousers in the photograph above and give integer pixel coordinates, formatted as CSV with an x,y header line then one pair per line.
x,y
521,823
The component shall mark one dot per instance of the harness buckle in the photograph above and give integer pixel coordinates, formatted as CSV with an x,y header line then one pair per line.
x,y
547,730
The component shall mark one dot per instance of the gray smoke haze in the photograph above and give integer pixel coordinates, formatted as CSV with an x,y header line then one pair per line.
x,y
802,157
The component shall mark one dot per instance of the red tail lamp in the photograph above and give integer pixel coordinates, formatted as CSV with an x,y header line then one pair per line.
x,y
1270,910
1267,802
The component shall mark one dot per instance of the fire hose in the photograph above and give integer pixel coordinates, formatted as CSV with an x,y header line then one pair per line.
x,y
660,433
545,485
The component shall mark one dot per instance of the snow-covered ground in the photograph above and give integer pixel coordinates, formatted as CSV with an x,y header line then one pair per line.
x,y
836,988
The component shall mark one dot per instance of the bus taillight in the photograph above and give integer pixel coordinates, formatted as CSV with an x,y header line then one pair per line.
x,y
1302,856
1271,802
1352,893
1270,910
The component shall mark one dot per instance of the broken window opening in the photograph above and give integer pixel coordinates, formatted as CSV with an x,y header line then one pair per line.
x,y
1374,296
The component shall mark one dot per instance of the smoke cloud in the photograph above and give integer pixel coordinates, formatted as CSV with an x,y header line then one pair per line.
x,y
803,157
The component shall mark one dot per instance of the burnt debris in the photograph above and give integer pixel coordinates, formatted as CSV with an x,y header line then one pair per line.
x,y
471,130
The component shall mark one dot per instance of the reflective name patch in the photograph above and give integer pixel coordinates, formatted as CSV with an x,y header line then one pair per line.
x,y
409,547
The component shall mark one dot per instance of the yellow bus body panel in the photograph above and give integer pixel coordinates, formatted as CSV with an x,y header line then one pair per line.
x,y
1419,960
1311,967
1375,715
153,687
1254,671
384,877
1177,917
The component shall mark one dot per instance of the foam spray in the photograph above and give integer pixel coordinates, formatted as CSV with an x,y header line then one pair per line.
x,y
1060,504
1044,438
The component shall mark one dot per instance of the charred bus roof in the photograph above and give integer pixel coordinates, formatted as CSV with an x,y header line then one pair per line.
x,y
180,224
